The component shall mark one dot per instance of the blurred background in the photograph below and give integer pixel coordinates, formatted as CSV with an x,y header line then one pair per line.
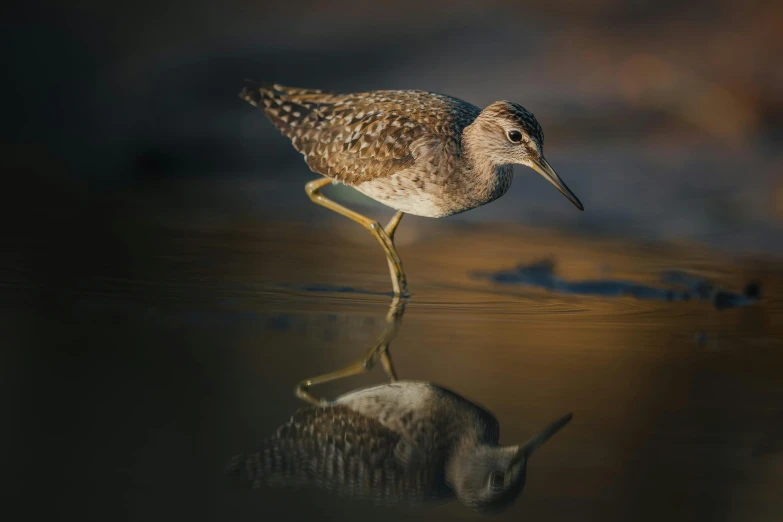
x,y
665,118
164,280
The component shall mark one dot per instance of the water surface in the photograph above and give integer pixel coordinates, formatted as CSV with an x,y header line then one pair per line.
x,y
154,354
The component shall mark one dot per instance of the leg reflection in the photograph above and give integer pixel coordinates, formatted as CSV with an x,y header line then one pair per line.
x,y
379,351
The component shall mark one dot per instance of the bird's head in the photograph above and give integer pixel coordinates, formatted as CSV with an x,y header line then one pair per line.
x,y
507,133
489,479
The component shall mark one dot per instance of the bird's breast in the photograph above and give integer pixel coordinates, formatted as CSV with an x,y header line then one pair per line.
x,y
438,193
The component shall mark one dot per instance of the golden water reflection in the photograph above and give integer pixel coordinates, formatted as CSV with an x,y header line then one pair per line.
x,y
401,442
157,367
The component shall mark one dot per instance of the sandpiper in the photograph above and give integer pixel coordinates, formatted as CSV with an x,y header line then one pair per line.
x,y
420,153
409,441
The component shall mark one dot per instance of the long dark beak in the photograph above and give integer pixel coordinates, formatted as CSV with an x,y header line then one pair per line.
x,y
536,442
541,166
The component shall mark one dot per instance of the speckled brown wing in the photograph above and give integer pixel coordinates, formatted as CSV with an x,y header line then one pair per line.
x,y
355,138
340,450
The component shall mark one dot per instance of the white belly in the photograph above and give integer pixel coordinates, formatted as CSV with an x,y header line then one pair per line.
x,y
400,193
436,194
409,395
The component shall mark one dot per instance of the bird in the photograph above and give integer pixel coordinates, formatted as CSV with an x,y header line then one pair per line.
x,y
405,442
418,152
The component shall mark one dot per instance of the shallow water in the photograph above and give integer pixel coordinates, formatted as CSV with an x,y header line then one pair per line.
x,y
153,354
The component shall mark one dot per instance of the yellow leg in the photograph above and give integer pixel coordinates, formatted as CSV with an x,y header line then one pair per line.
x,y
380,351
388,365
399,283
393,222
394,318
389,229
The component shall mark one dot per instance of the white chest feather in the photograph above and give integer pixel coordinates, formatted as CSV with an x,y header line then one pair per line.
x,y
437,193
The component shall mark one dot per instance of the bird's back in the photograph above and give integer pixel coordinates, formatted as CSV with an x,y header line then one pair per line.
x,y
338,449
359,137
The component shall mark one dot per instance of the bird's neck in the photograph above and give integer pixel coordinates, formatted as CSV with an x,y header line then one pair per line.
x,y
488,177
476,150
460,461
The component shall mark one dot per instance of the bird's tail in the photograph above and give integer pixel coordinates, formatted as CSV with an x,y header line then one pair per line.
x,y
266,94
275,461
289,108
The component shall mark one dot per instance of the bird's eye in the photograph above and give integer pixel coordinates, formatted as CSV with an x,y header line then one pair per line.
x,y
515,136
497,480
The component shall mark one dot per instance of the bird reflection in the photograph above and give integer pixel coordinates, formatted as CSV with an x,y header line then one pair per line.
x,y
401,442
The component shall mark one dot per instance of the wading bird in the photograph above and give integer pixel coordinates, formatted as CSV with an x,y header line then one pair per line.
x,y
417,152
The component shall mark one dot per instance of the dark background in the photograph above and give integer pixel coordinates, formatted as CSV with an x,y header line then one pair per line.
x,y
158,249
664,117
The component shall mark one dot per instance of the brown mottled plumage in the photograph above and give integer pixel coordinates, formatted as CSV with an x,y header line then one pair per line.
x,y
338,449
406,442
418,152
354,138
